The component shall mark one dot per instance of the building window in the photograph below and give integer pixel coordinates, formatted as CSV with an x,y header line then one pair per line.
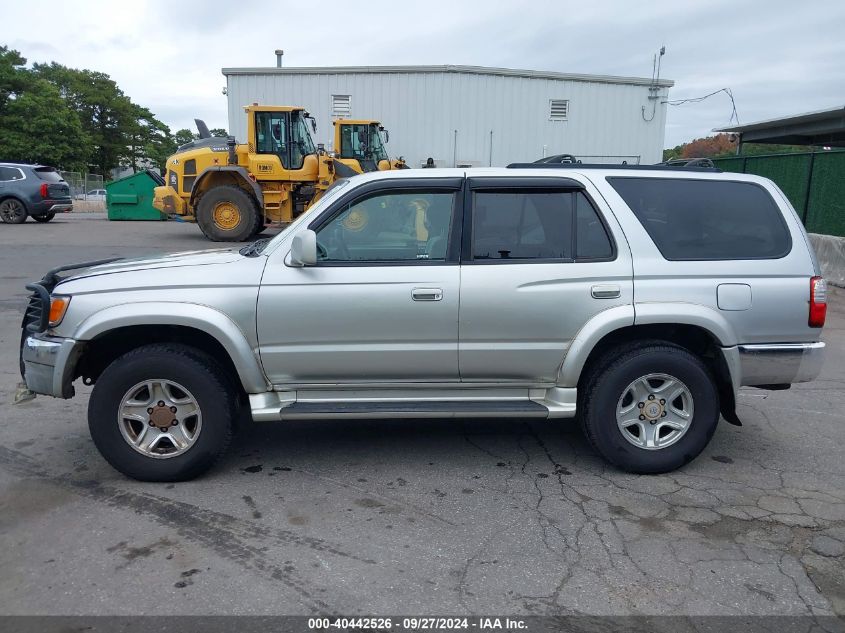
x,y
558,109
341,106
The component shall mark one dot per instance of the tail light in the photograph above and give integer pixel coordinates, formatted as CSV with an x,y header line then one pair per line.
x,y
818,302
44,193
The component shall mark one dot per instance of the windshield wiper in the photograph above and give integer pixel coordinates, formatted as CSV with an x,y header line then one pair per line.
x,y
254,249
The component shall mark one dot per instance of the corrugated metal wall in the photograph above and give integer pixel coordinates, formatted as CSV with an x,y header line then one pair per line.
x,y
423,110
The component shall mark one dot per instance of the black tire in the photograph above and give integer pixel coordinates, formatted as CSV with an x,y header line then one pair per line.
x,y
12,211
608,380
200,374
249,220
46,217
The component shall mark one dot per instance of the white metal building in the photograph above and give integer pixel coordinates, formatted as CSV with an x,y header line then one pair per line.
x,y
470,115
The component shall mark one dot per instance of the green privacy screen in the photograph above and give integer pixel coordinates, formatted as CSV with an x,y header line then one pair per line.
x,y
814,184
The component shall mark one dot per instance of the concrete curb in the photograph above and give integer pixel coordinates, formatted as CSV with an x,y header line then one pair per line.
x,y
830,251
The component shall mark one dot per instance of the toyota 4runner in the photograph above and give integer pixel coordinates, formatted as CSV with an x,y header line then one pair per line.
x,y
635,300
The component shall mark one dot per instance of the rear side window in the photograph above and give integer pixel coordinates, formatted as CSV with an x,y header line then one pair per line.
x,y
537,225
49,174
10,173
706,219
522,225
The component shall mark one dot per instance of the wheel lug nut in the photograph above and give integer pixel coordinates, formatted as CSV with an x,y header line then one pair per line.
x,y
642,417
150,410
651,396
173,409
152,423
662,401
161,403
641,404
663,415
654,421
174,422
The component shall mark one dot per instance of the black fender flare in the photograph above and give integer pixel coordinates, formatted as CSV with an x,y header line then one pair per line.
x,y
237,169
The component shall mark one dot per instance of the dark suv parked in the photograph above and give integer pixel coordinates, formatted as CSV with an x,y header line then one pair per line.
x,y
33,190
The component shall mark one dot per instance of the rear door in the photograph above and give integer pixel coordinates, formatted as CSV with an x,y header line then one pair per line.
x,y
539,260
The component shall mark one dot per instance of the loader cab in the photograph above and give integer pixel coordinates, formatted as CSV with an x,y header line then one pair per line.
x,y
361,141
280,132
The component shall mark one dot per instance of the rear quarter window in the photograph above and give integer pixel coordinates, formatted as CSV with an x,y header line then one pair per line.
x,y
706,219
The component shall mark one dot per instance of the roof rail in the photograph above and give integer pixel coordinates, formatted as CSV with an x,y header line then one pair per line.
x,y
712,170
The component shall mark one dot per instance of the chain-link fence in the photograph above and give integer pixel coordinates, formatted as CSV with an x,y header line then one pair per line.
x,y
814,182
87,190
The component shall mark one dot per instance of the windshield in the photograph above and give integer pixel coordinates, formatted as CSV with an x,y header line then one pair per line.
x,y
301,143
362,142
331,193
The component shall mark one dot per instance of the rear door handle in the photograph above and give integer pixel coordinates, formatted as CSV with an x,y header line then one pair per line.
x,y
427,294
606,292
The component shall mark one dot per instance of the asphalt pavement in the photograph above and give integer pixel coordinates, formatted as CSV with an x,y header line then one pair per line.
x,y
411,517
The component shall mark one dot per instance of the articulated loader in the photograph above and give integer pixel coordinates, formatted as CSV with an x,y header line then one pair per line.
x,y
234,190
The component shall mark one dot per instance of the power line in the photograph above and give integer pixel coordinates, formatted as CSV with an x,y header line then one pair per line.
x,y
734,116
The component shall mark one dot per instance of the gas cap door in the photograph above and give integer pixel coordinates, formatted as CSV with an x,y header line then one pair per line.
x,y
733,297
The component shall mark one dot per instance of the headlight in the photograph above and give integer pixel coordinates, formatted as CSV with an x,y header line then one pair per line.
x,y
58,307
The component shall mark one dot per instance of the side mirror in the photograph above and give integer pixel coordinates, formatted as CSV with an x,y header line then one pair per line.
x,y
386,135
303,249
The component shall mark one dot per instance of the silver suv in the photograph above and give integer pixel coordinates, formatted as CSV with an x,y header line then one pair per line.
x,y
635,300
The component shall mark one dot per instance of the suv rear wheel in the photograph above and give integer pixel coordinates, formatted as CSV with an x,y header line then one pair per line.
x,y
162,412
46,217
650,408
12,211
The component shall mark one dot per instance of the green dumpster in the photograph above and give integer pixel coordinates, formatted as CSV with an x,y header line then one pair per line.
x,y
131,198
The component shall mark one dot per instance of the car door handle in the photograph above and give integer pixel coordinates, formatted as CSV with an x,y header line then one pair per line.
x,y
427,294
606,292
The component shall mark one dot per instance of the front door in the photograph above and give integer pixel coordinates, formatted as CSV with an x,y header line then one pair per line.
x,y
381,304
538,261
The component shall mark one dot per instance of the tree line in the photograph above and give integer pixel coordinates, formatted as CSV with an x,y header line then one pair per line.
x,y
723,146
77,120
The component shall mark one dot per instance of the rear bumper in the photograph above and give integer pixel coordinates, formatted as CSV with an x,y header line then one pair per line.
x,y
780,363
51,206
48,364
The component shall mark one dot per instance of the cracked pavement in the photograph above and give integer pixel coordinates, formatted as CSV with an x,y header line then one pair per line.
x,y
413,517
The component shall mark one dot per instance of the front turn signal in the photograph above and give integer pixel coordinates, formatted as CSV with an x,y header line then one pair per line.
x,y
58,307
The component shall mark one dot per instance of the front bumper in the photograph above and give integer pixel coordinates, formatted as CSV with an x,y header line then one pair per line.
x,y
48,363
780,363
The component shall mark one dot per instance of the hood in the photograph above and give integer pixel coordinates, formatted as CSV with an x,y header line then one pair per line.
x,y
173,260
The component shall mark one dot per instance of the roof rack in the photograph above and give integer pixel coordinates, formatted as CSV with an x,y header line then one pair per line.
x,y
712,170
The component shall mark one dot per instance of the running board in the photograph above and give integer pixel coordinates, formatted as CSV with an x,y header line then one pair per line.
x,y
553,402
465,409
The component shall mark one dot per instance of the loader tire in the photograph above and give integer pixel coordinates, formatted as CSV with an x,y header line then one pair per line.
x,y
228,214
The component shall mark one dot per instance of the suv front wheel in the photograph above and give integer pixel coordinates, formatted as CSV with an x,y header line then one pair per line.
x,y
162,412
650,408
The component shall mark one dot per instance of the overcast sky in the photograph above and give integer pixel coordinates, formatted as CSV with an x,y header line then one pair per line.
x,y
778,57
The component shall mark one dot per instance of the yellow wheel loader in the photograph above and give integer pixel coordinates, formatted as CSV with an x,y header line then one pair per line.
x,y
232,191
359,144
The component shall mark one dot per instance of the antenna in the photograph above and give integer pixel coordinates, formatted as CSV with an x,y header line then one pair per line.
x,y
654,88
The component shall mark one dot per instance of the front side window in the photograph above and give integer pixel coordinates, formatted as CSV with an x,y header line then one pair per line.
x,y
692,219
301,143
522,225
390,226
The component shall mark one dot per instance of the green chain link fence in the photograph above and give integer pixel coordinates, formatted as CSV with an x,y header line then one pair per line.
x,y
813,182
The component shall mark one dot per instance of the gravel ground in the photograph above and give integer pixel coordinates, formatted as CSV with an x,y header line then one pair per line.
x,y
412,517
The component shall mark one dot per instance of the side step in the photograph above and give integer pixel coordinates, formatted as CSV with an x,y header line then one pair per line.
x,y
419,409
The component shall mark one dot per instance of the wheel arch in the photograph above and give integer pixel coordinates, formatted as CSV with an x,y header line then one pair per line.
x,y
689,334
111,332
226,175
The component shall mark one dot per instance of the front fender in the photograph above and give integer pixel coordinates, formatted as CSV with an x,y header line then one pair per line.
x,y
200,317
